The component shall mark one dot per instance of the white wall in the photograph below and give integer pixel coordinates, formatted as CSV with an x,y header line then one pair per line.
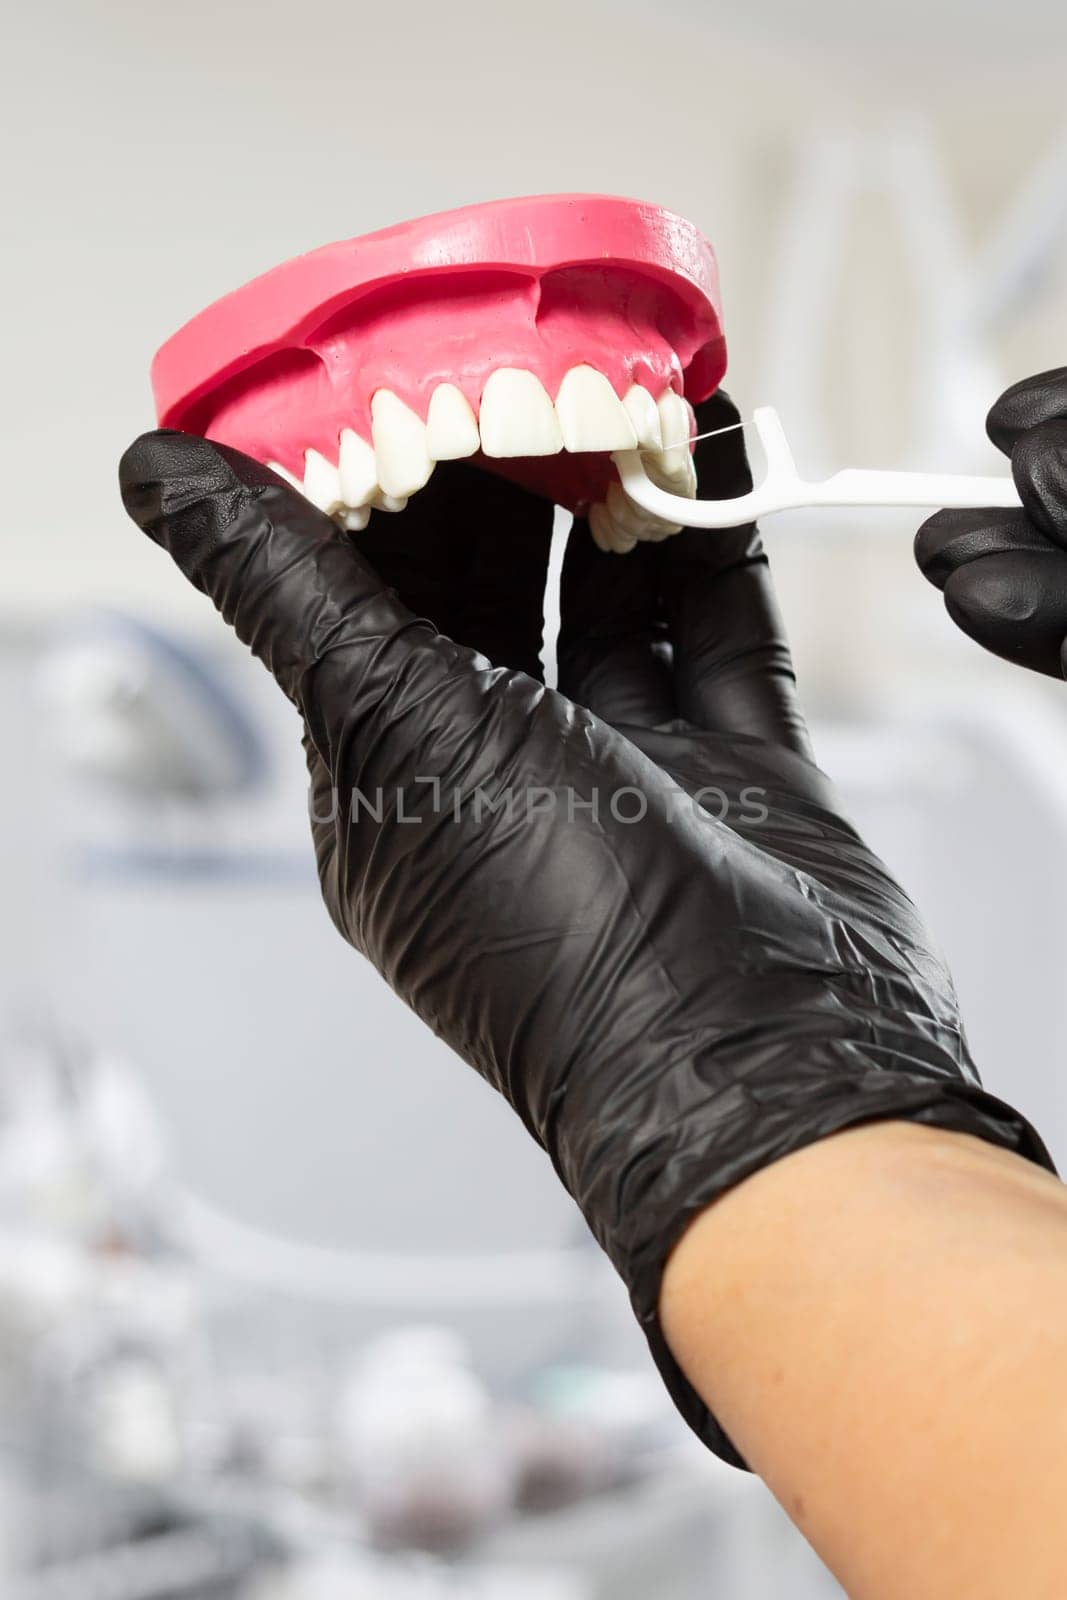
x,y
157,154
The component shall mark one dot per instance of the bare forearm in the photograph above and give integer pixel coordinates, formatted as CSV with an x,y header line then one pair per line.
x,y
880,1323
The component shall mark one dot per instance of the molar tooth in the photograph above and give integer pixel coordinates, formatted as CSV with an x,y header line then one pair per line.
x,y
388,502
451,429
354,518
644,415
591,415
516,417
624,513
601,526
322,483
607,533
634,521
403,460
357,468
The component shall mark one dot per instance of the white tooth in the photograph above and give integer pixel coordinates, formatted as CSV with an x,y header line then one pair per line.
x,y
643,413
322,485
389,502
451,429
673,418
601,526
355,518
607,533
665,472
683,478
672,467
357,468
624,513
591,415
283,472
516,417
636,522
404,462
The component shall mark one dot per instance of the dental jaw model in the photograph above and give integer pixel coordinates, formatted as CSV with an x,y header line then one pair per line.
x,y
538,336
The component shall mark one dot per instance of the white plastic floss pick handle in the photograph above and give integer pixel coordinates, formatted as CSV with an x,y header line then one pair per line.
x,y
783,489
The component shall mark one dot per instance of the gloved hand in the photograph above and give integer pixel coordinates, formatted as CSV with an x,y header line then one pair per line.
x,y
634,906
1004,573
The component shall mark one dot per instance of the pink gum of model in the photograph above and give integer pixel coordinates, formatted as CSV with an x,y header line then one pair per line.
x,y
546,284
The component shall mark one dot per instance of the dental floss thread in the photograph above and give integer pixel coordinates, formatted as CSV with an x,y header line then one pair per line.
x,y
683,444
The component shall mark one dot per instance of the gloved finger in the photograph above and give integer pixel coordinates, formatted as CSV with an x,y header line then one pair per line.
x,y
415,551
1039,467
952,539
611,653
732,668
343,648
470,552
505,539
1014,604
1027,405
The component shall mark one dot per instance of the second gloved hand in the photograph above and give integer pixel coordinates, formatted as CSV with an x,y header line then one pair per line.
x,y
1004,573
634,906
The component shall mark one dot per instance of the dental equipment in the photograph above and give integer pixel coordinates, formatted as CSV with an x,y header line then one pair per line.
x,y
783,489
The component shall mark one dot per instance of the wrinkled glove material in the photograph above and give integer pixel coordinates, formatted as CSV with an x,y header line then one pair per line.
x,y
685,967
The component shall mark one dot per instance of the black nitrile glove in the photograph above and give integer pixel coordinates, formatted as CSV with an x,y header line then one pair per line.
x,y
1004,573
633,906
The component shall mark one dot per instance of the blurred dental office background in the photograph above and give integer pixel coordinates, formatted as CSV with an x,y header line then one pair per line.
x,y
290,1309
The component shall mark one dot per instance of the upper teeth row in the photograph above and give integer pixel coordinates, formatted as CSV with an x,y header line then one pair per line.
x,y
516,418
